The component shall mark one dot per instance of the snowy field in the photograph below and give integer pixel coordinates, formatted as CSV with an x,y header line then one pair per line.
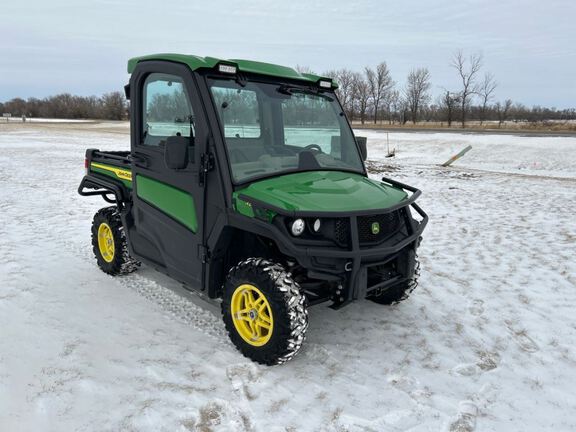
x,y
43,120
486,343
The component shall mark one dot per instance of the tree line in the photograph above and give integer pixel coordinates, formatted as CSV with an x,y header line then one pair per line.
x,y
110,106
371,95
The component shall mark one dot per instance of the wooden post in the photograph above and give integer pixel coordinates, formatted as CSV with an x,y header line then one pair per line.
x,y
457,156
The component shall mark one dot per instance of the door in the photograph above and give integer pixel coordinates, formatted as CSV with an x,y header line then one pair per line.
x,y
168,203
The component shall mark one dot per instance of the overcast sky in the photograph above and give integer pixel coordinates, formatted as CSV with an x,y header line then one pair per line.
x,y
81,47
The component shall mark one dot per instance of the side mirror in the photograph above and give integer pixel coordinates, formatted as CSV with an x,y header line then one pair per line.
x,y
362,145
176,152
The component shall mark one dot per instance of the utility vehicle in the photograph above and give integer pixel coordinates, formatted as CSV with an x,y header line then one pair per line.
x,y
245,181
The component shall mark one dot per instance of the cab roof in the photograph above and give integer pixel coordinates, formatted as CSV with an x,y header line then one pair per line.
x,y
248,66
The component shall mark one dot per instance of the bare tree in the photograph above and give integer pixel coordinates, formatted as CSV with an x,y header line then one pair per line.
x,y
486,91
114,106
398,107
361,95
16,107
303,69
448,102
379,84
416,91
391,104
467,70
403,110
502,111
345,81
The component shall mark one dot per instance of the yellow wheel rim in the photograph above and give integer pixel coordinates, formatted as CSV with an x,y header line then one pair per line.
x,y
252,315
106,242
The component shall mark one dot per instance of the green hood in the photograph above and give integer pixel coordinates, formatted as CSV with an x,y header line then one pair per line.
x,y
322,191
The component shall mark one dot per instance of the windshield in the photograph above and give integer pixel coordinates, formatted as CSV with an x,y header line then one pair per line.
x,y
271,129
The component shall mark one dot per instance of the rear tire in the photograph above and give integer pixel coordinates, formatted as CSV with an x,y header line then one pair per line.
x,y
109,243
398,293
264,311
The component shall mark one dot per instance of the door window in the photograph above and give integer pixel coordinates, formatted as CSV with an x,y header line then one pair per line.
x,y
166,109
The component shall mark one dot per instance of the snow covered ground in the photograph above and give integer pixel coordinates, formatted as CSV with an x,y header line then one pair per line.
x,y
45,120
540,156
487,342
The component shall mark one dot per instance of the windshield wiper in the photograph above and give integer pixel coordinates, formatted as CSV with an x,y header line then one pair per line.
x,y
290,90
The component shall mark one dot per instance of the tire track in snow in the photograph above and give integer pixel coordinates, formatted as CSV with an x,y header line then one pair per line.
x,y
180,307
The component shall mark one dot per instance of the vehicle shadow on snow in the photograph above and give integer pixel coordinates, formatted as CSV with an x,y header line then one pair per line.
x,y
345,334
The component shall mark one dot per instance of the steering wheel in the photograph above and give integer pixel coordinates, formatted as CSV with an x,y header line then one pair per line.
x,y
315,147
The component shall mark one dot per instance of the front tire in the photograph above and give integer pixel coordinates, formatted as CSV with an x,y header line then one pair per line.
x,y
109,243
264,311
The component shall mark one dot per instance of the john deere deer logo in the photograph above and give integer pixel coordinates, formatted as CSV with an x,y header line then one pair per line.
x,y
375,228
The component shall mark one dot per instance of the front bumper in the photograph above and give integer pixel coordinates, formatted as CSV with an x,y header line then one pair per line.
x,y
355,268
394,259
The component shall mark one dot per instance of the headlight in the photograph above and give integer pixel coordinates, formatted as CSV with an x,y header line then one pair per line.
x,y
297,227
316,226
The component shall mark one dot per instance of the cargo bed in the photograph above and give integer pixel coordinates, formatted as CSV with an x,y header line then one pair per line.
x,y
108,174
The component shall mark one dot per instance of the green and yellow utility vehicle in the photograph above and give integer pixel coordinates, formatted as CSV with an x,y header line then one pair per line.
x,y
245,181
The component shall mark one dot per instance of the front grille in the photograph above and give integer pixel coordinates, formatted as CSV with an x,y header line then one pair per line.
x,y
376,228
341,231
388,224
